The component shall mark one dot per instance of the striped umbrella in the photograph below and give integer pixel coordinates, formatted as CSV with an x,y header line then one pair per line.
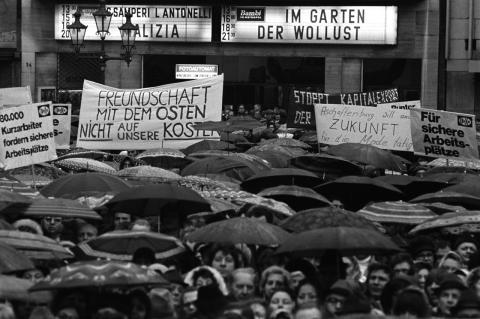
x,y
398,212
122,244
58,207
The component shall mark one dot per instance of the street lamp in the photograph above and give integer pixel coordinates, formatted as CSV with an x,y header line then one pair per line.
x,y
103,17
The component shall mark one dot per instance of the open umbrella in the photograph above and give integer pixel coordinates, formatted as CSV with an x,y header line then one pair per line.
x,y
11,198
230,167
369,155
33,245
443,162
84,165
280,176
470,187
148,173
293,152
398,212
122,244
327,166
99,274
199,183
324,217
274,158
58,207
16,289
413,186
356,191
286,142
441,208
84,183
84,153
9,183
249,159
164,158
347,240
469,219
205,145
11,260
298,198
451,198
240,230
453,178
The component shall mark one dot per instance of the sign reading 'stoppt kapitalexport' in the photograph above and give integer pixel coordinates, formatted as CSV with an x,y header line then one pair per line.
x,y
443,134
329,24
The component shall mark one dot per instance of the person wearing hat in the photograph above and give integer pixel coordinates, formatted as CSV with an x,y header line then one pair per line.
x,y
465,245
210,302
422,249
468,305
448,294
336,297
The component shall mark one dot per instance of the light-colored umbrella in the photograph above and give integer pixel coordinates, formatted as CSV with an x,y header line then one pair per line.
x,y
298,198
12,260
147,173
84,164
398,212
443,162
16,289
286,142
461,218
452,198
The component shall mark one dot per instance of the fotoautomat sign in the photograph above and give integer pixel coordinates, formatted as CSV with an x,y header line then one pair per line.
x,y
26,134
444,134
161,116
325,24
155,22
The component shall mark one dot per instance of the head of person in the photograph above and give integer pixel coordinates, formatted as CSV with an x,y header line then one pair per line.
x,y
191,223
224,259
468,306
33,275
52,226
442,247
211,302
143,256
243,283
241,109
203,277
401,264
177,285
281,300
391,290
422,249
449,292
308,311
451,262
307,292
121,221
465,245
273,278
422,270
140,306
258,308
411,301
378,275
86,232
336,297
188,300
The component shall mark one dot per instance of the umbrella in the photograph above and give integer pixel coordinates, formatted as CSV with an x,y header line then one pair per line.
x,y
58,207
326,165
11,260
10,198
219,165
286,142
81,183
280,176
293,152
398,212
164,158
240,230
198,183
84,165
235,123
9,183
356,191
324,217
16,289
209,145
453,178
99,273
274,158
298,198
449,169
33,180
471,218
369,155
234,138
158,199
122,244
230,182
451,198
470,187
33,245
248,159
84,153
443,162
441,208
413,186
149,173
347,240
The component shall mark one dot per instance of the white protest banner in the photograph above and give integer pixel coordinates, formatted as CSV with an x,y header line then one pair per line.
x,y
161,116
15,96
26,134
62,121
383,128
443,134
404,105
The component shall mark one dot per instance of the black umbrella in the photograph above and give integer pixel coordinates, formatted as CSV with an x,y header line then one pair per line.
x,y
327,166
413,186
280,176
231,167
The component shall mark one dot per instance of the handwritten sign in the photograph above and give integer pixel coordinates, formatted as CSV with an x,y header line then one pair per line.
x,y
156,22
161,116
404,105
26,134
312,25
15,96
301,113
387,129
443,134
62,120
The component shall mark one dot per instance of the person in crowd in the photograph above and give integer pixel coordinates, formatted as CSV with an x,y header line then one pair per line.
x,y
205,276
442,248
121,221
258,308
391,290
401,264
86,232
52,226
378,275
422,270
307,292
451,262
335,298
188,308
280,300
224,259
242,284
465,245
422,249
411,302
448,292
273,278
35,275
468,306
211,302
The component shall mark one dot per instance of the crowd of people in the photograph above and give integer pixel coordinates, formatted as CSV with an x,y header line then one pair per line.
x,y
272,117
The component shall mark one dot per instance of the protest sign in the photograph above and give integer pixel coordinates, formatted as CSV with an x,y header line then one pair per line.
x,y
161,116
387,129
443,134
26,134
404,105
15,96
301,114
62,121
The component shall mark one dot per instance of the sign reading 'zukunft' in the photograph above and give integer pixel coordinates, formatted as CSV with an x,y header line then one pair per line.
x,y
339,24
156,23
